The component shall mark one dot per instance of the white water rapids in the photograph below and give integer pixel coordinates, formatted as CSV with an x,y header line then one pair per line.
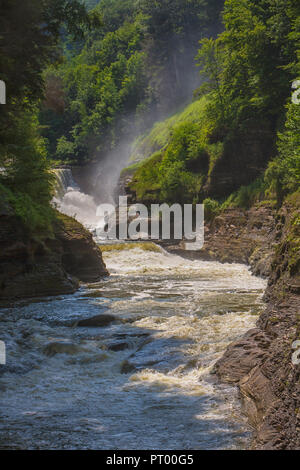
x,y
175,318
70,200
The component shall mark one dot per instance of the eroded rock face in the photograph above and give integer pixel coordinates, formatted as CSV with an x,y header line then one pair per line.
x,y
261,362
237,236
240,236
81,257
242,356
34,268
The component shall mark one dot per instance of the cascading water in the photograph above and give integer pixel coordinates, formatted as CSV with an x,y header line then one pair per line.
x,y
143,381
64,182
70,200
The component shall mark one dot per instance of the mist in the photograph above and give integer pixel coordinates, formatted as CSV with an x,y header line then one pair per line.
x,y
172,84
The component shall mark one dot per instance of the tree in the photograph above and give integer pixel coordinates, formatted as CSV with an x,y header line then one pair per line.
x,y
29,37
137,68
253,73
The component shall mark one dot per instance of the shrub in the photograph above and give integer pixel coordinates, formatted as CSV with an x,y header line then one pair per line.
x,y
211,208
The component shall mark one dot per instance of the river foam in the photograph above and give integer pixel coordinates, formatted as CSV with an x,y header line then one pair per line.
x,y
143,382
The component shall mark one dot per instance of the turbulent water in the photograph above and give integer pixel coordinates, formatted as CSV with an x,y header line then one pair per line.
x,y
175,318
70,200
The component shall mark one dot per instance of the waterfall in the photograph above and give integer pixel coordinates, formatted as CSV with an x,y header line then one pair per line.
x,y
70,200
63,182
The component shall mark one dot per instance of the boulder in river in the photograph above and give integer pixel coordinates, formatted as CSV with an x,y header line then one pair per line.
x,y
118,346
60,348
127,367
97,321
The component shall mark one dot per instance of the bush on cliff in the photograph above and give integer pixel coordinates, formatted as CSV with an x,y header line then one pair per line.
x,y
283,173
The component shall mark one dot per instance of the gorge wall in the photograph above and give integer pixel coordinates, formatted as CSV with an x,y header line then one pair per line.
x,y
33,267
260,364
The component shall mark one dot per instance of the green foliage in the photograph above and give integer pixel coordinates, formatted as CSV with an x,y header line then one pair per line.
x,y
102,84
178,184
211,208
90,4
27,181
175,172
145,182
29,33
248,69
250,66
247,196
138,67
65,150
115,13
29,36
36,217
283,173
176,180
161,132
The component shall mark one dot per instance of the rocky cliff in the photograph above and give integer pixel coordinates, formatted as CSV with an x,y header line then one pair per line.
x,y
261,362
31,267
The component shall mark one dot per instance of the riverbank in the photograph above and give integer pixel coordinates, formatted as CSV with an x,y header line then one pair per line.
x,y
260,363
37,267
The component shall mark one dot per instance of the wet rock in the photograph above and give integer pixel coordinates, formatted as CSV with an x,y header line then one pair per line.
x,y
60,348
36,267
81,257
162,353
242,356
132,335
118,346
97,321
257,396
261,362
127,367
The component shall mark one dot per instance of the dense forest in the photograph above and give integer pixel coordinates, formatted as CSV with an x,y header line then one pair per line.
x,y
238,143
30,40
217,77
136,68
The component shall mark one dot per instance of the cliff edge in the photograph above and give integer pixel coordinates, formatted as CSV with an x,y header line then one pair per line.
x,y
261,364
36,267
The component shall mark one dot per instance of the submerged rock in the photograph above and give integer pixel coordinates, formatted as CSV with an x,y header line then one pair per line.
x,y
60,348
127,367
97,321
118,346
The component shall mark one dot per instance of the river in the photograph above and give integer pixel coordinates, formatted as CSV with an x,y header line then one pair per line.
x,y
175,318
